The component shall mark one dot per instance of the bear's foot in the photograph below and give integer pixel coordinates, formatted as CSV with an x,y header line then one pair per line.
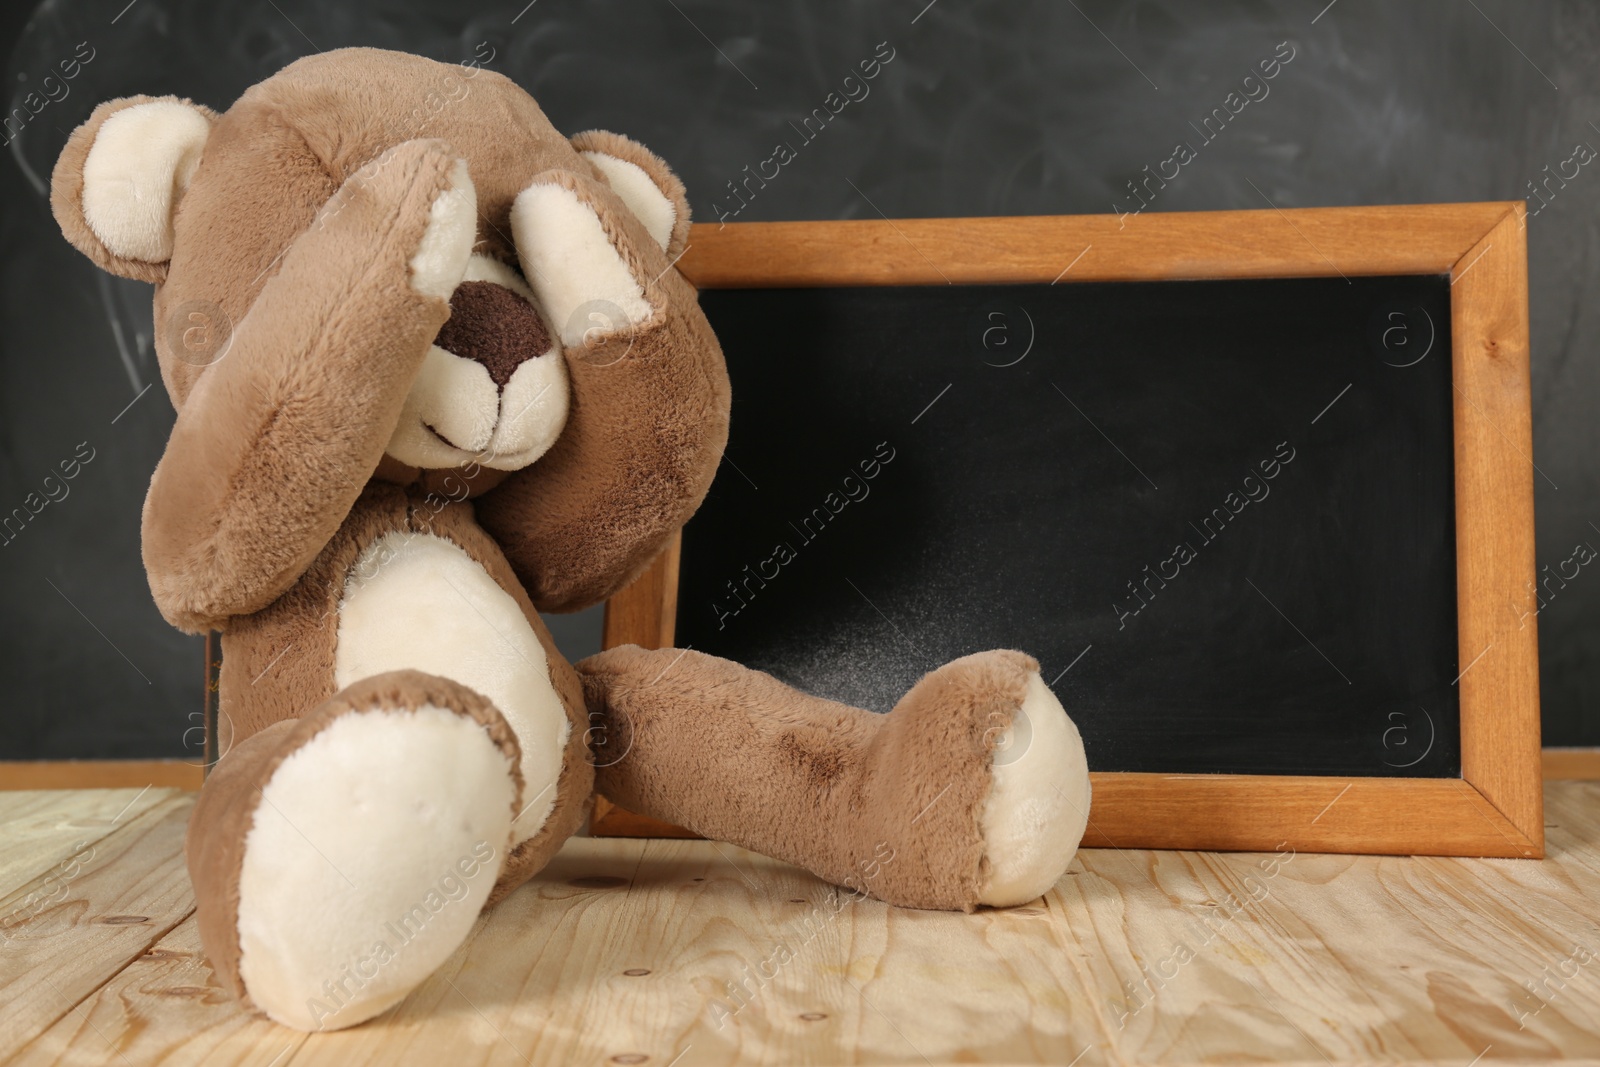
x,y
338,859
979,784
974,790
1038,802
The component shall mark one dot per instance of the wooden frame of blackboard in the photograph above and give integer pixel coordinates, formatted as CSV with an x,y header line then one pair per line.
x,y
1495,808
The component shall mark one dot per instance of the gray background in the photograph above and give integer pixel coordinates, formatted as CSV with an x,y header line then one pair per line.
x,y
986,109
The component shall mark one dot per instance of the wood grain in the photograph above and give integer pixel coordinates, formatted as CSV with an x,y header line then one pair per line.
x,y
613,820
164,1007
634,952
645,611
1128,809
40,831
1164,246
1495,568
1393,816
1494,808
1317,958
101,774
1571,763
67,933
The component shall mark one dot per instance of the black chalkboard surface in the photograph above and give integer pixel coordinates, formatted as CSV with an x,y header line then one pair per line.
x,y
1220,513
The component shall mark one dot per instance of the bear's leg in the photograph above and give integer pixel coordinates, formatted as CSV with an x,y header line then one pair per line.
x,y
409,584
973,790
432,602
339,858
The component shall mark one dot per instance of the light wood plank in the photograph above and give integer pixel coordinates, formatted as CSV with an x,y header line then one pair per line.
x,y
43,830
850,981
624,949
1572,821
1349,958
600,910
164,1008
65,939
1300,242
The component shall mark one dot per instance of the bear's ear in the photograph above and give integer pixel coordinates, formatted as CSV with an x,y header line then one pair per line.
x,y
645,183
117,184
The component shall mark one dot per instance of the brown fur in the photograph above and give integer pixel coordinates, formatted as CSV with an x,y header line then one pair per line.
x,y
595,510
579,524
306,397
886,804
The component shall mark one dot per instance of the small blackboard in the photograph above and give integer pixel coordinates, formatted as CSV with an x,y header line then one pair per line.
x,y
1254,487
1228,538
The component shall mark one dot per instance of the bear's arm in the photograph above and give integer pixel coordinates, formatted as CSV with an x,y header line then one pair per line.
x,y
644,437
277,439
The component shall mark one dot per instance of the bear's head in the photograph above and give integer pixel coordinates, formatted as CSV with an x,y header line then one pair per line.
x,y
530,392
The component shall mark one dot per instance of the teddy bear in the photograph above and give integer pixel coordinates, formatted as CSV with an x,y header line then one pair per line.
x,y
435,371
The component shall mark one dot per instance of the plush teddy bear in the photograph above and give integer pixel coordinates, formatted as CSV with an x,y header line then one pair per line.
x,y
435,372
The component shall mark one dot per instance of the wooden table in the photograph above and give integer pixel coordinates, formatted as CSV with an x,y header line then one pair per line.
x,y
626,952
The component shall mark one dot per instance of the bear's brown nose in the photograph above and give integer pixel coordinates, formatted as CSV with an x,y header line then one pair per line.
x,y
494,326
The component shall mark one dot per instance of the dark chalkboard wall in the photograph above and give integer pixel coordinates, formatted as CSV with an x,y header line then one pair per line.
x,y
983,109
1220,514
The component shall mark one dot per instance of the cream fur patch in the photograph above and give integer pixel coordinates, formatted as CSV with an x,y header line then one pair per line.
x,y
482,268
446,245
455,415
581,281
364,825
138,168
643,197
533,411
418,601
1038,805
452,398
